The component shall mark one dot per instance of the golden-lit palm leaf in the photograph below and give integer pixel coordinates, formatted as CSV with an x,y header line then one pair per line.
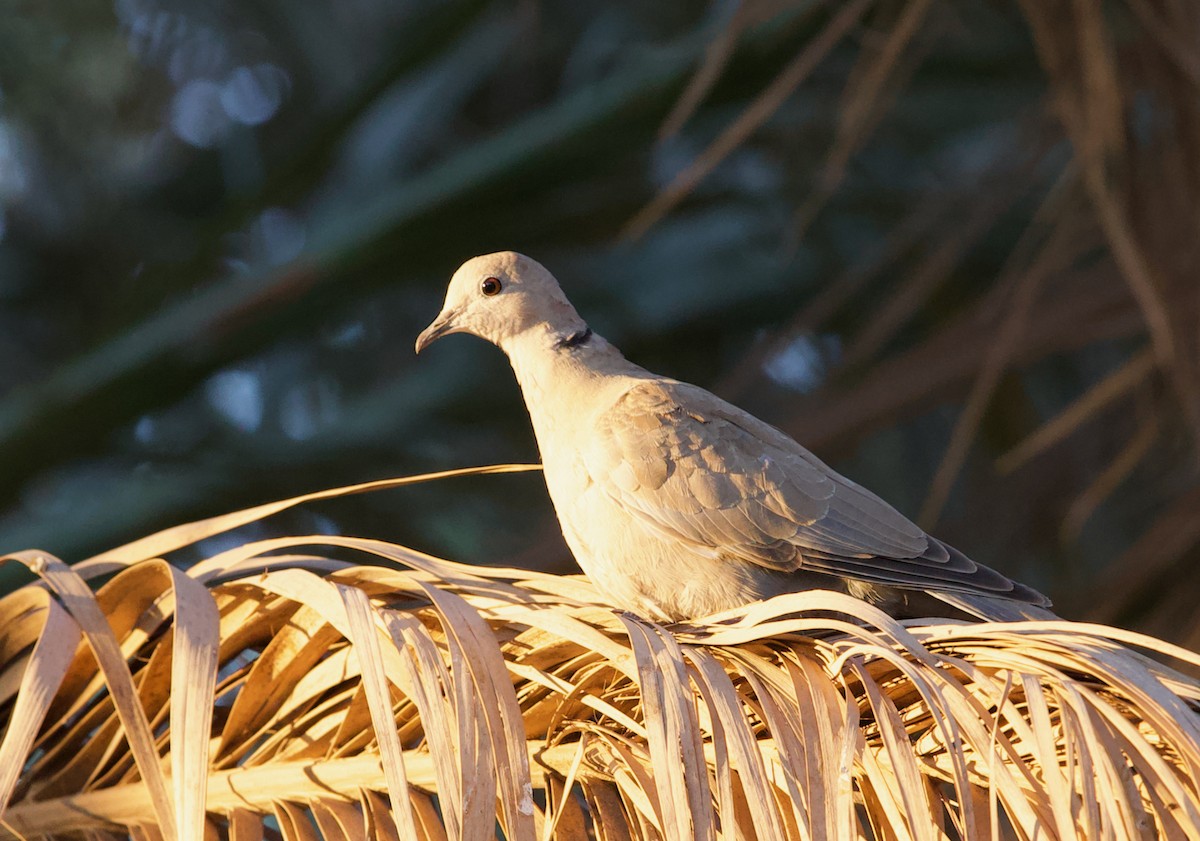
x,y
432,699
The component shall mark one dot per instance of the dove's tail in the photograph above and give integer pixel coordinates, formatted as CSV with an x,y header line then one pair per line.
x,y
993,608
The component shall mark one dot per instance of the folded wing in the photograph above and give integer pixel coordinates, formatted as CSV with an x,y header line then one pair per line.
x,y
702,471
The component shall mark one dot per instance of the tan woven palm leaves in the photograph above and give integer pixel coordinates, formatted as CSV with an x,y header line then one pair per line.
x,y
272,691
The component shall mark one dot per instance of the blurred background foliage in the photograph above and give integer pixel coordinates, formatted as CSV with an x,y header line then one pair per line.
x,y
950,246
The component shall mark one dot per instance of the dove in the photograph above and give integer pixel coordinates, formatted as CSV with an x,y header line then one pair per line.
x,y
677,504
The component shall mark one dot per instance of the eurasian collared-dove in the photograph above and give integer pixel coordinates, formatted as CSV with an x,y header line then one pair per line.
x,y
677,504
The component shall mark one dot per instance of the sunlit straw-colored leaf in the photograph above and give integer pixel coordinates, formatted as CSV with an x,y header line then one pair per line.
x,y
430,699
81,604
47,664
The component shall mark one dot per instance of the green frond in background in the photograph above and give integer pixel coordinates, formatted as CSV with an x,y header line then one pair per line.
x,y
277,691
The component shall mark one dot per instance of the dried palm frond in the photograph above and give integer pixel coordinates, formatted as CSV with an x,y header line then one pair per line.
x,y
276,691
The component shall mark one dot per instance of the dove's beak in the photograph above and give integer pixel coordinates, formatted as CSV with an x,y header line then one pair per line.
x,y
443,325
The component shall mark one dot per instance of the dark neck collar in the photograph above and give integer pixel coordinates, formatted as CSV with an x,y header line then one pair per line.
x,y
576,339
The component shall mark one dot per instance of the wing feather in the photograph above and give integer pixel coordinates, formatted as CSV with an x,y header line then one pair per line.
x,y
702,471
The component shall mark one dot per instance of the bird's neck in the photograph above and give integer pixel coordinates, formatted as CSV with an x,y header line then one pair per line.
x,y
562,371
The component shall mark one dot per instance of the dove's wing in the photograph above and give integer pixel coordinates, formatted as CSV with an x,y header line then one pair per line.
x,y
702,471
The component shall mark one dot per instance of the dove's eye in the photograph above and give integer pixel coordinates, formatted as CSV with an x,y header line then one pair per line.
x,y
490,286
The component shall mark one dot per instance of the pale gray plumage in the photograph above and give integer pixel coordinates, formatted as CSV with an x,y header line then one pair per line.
x,y
678,504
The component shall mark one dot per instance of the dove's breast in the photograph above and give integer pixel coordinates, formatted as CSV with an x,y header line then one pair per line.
x,y
636,567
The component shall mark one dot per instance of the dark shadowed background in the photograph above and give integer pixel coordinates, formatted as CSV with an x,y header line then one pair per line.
x,y
951,245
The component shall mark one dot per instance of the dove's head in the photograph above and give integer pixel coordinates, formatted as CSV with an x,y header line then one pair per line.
x,y
500,297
